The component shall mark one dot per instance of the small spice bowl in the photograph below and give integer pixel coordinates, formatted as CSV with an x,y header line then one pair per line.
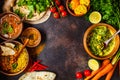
x,y
35,38
94,38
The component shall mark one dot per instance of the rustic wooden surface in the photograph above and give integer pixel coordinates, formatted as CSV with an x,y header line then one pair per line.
x,y
62,47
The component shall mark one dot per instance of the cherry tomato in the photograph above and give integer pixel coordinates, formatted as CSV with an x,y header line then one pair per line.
x,y
58,2
87,72
56,15
79,75
53,9
64,13
61,8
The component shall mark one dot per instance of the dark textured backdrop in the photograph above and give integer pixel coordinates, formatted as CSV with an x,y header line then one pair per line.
x,y
63,51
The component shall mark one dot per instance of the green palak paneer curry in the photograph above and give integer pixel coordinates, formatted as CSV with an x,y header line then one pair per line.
x,y
96,38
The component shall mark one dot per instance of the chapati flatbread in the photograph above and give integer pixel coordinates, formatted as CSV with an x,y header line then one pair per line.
x,y
41,75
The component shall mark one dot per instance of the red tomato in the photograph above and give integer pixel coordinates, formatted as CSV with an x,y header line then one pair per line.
x,y
58,2
56,15
53,9
64,13
87,72
79,75
61,8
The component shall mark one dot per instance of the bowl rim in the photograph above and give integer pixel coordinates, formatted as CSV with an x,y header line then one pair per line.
x,y
16,73
5,13
113,52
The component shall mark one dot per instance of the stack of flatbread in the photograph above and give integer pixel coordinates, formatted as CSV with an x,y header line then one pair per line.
x,y
41,75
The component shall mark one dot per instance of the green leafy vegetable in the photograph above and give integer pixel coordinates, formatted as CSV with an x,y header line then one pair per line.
x,y
16,47
116,58
7,28
110,10
34,6
70,6
14,65
17,11
30,15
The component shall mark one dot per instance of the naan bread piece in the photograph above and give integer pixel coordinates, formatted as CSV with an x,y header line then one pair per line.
x,y
45,75
28,76
11,45
42,75
7,51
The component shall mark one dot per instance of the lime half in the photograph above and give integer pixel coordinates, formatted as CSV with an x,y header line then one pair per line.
x,y
95,17
93,64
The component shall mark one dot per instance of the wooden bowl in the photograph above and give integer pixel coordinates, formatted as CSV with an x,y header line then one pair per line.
x,y
71,11
13,25
22,61
36,36
86,41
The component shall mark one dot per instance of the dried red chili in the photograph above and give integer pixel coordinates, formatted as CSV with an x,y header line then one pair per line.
x,y
37,66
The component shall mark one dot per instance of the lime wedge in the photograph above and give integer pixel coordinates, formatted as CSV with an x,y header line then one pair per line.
x,y
95,17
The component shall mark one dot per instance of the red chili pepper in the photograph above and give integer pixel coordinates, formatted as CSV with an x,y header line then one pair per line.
x,y
37,66
41,65
35,63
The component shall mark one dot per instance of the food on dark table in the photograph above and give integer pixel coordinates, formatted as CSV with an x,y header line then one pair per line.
x,y
41,75
87,72
58,9
9,63
10,26
7,50
78,7
109,9
31,10
93,64
96,38
37,66
79,75
95,17
34,40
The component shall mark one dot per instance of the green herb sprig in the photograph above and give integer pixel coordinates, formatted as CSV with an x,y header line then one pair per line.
x,y
7,28
109,9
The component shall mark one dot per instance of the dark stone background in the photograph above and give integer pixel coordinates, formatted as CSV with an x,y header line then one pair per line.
x,y
63,52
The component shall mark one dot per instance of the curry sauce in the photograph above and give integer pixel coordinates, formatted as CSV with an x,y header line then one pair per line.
x,y
34,40
11,26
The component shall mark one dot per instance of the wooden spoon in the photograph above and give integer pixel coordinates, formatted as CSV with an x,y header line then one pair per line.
x,y
25,43
18,52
